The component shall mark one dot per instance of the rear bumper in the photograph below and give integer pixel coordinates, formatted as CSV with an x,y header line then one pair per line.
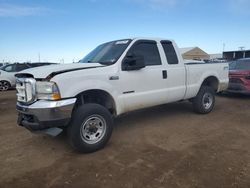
x,y
43,114
223,86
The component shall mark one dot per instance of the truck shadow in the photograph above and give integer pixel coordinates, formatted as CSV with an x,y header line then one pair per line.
x,y
133,121
234,95
155,114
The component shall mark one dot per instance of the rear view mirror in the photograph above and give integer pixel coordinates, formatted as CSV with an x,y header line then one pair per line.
x,y
133,62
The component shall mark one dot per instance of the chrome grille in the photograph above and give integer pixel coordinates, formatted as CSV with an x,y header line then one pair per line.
x,y
25,90
235,80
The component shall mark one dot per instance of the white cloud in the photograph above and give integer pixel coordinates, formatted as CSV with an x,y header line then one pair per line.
x,y
158,4
164,3
155,4
240,6
10,10
241,2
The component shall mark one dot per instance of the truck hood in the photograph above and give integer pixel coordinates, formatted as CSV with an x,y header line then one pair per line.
x,y
51,70
239,73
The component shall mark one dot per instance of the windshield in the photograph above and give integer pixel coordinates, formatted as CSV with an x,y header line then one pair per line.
x,y
107,53
240,65
3,67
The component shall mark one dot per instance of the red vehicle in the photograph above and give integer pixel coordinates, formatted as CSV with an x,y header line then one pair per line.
x,y
239,76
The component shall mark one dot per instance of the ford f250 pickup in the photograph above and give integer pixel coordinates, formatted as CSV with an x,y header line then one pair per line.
x,y
115,78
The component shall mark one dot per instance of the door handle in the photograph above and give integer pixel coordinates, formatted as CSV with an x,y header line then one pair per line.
x,y
164,74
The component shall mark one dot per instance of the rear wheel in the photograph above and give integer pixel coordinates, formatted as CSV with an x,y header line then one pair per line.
x,y
203,103
4,85
91,128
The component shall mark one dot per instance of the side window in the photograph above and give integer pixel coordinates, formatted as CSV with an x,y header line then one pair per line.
x,y
149,51
170,52
9,68
21,67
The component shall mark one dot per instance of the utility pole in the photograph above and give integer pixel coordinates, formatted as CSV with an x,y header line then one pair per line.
x,y
39,57
241,48
61,61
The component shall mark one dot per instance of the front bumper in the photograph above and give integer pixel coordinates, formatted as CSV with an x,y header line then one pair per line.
x,y
44,114
238,88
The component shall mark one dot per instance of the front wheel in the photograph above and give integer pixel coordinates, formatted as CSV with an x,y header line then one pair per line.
x,y
91,128
204,102
4,85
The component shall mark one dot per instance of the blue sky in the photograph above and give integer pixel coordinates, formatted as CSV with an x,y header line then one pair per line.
x,y
69,29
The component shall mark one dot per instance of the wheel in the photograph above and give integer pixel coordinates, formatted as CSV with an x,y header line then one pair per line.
x,y
4,85
204,101
90,128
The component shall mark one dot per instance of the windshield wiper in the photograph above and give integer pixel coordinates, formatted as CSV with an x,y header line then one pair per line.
x,y
100,62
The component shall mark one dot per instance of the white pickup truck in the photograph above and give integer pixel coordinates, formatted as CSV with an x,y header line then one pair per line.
x,y
115,78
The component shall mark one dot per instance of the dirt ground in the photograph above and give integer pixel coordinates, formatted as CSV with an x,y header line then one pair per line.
x,y
165,146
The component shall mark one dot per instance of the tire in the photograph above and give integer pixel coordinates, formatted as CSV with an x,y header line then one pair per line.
x,y
4,85
90,128
204,101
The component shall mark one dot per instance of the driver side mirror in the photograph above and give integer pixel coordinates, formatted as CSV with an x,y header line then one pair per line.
x,y
133,62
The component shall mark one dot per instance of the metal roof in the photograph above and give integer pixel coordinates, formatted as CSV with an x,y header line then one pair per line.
x,y
185,50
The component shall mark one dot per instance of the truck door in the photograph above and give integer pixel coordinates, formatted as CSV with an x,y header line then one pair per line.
x,y
147,86
176,72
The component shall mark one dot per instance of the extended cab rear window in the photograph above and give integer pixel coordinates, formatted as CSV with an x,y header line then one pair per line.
x,y
170,52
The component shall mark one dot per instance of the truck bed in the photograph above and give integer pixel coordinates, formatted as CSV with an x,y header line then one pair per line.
x,y
195,75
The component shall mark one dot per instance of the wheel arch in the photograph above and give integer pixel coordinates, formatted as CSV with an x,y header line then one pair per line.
x,y
7,80
97,96
211,81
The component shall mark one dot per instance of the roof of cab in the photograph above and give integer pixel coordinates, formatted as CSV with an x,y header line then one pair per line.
x,y
151,38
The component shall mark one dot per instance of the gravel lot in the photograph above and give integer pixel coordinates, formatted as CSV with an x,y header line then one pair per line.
x,y
164,146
